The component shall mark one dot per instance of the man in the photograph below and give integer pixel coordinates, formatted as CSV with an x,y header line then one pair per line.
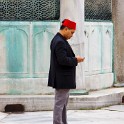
x,y
62,71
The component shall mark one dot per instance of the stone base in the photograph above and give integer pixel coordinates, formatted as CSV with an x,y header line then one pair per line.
x,y
78,92
25,86
94,100
99,81
119,85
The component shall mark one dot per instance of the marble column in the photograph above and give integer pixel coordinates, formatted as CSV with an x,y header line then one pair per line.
x,y
74,10
118,20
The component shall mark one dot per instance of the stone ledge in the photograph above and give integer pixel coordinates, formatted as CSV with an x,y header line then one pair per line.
x,y
94,100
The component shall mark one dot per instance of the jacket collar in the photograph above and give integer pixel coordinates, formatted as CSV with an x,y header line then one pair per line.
x,y
66,42
61,36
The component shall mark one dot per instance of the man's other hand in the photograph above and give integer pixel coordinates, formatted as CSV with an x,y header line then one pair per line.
x,y
80,59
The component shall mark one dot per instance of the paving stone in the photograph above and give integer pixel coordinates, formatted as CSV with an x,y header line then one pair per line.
x,y
101,116
119,108
2,115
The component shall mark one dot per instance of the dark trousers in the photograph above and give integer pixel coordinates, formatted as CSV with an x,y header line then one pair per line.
x,y
61,100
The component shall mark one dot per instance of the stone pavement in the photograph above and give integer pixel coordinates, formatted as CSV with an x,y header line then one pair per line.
x,y
42,105
109,115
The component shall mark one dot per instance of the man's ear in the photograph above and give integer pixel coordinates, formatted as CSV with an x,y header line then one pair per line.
x,y
66,28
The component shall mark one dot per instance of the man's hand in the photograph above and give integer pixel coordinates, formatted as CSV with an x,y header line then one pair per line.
x,y
80,59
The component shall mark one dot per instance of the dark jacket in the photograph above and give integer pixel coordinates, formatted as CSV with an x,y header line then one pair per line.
x,y
63,64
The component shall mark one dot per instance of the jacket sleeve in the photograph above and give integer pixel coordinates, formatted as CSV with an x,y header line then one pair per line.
x,y
61,55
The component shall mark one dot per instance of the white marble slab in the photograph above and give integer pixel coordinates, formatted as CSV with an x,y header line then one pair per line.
x,y
119,108
102,116
2,115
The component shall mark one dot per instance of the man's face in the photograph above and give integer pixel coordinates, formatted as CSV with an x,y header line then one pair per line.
x,y
69,33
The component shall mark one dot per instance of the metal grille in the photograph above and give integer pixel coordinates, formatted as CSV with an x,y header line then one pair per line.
x,y
25,10
98,10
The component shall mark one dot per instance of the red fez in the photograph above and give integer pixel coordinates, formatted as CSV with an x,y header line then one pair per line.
x,y
69,24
